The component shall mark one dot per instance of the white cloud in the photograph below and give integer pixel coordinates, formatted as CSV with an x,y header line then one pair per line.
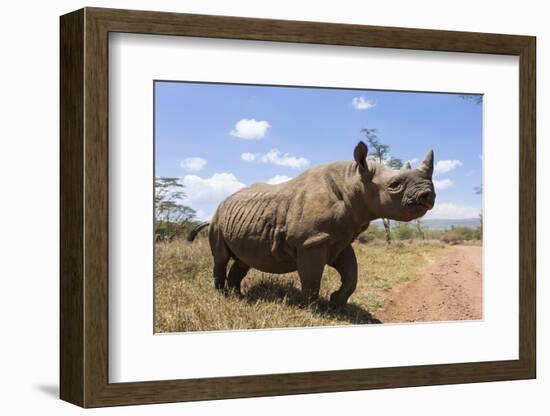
x,y
444,166
278,179
250,129
276,157
249,157
361,103
450,211
193,164
442,184
219,184
205,194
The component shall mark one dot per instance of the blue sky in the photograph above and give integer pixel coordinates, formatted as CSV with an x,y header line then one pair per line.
x,y
219,137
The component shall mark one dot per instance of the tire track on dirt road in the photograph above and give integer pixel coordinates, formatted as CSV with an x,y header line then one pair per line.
x,y
448,290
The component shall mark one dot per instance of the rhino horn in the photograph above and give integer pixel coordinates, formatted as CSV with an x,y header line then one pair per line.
x,y
428,164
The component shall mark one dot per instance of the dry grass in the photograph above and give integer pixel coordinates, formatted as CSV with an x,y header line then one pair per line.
x,y
185,299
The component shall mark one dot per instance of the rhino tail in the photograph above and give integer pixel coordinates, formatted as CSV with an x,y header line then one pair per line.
x,y
196,230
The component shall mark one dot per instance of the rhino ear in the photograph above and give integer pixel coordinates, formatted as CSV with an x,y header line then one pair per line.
x,y
360,154
406,166
428,164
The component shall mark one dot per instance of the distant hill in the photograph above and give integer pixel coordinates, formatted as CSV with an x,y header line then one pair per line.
x,y
440,224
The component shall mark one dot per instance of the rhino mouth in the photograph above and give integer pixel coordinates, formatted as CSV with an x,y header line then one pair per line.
x,y
419,209
427,205
420,205
423,200
417,200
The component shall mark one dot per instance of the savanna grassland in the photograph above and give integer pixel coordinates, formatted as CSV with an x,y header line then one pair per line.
x,y
185,299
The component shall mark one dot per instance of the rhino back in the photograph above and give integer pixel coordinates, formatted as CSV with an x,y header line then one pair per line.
x,y
253,224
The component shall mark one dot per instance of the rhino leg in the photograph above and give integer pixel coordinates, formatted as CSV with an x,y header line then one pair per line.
x,y
221,254
220,269
346,265
311,262
221,258
237,273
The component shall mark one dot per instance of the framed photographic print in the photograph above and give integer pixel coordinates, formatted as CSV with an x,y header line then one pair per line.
x,y
255,207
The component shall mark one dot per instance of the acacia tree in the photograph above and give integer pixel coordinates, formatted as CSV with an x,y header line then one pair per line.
x,y
420,228
380,153
479,190
170,212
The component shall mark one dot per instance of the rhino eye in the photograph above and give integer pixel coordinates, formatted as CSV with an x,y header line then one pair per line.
x,y
395,187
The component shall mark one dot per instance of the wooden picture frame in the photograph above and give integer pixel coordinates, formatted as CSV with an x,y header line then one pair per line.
x,y
84,207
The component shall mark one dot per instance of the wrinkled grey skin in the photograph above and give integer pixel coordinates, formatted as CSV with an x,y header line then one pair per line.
x,y
311,220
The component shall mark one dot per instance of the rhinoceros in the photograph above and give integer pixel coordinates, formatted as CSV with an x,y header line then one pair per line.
x,y
311,221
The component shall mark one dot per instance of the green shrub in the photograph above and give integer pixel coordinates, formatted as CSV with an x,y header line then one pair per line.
x,y
168,231
452,237
374,232
403,232
456,235
478,235
434,233
467,233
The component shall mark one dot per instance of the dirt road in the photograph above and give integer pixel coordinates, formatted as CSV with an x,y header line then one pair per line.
x,y
448,290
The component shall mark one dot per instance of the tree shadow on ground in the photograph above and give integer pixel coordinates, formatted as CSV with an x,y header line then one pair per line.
x,y
269,291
